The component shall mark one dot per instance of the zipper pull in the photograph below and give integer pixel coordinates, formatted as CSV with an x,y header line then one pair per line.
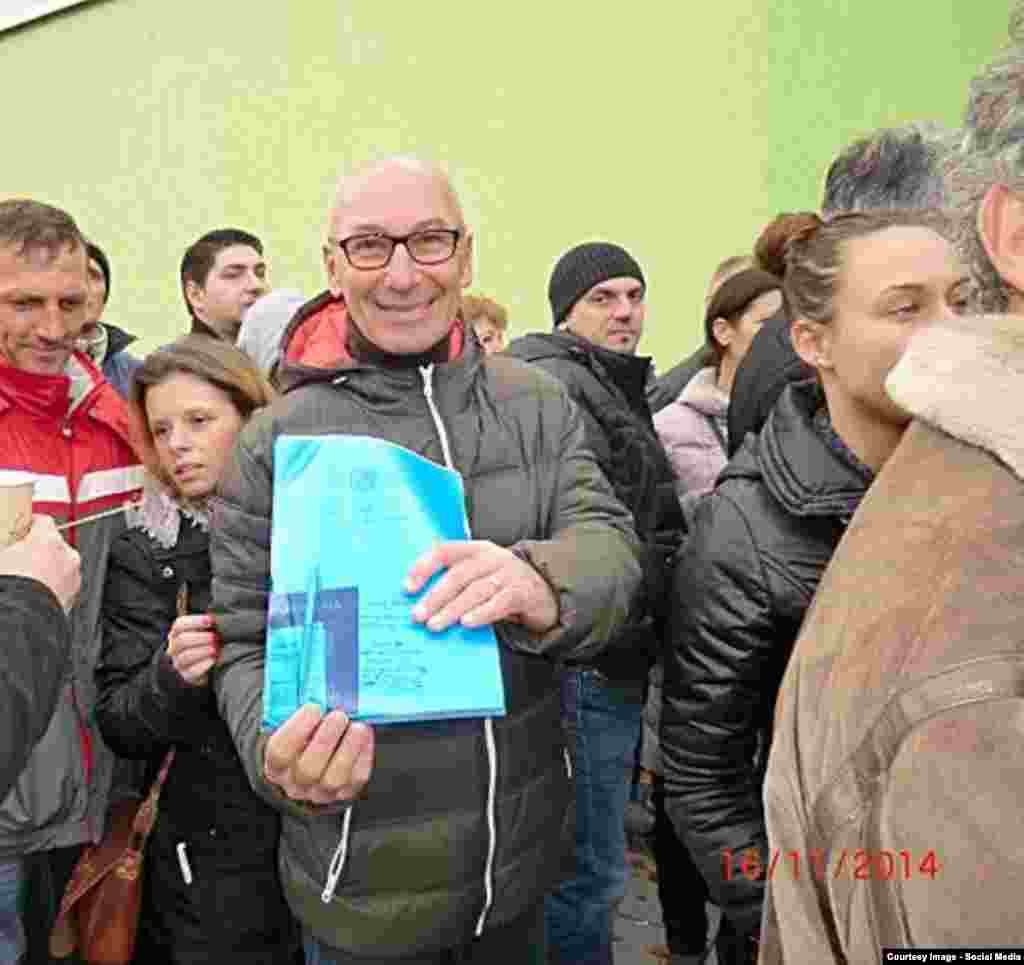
x,y
427,373
186,869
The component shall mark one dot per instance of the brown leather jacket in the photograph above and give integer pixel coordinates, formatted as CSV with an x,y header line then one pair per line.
x,y
895,785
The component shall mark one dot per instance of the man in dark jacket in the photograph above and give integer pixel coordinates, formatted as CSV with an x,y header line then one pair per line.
x,y
104,343
892,169
222,275
597,293
464,823
39,577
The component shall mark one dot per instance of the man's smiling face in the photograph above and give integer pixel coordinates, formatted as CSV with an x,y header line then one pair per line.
x,y
404,307
43,307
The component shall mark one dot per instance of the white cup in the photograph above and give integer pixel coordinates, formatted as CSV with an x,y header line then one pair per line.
x,y
16,492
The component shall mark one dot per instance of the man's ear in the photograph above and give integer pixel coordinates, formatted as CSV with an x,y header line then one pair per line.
x,y
194,295
1001,228
812,342
331,255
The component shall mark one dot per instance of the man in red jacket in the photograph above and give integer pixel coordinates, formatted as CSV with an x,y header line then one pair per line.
x,y
62,422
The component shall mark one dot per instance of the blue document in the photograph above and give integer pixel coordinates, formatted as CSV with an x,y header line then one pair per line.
x,y
351,516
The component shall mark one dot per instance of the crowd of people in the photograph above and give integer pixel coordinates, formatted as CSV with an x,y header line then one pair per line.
x,y
759,614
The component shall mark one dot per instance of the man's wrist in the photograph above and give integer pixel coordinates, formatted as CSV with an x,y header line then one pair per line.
x,y
519,551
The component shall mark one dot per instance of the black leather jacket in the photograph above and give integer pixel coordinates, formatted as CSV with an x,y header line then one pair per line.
x,y
752,562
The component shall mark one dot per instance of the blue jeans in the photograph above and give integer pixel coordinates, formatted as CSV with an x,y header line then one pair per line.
x,y
602,726
12,935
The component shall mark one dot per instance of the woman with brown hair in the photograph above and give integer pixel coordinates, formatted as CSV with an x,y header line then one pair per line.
x,y
693,427
210,890
857,286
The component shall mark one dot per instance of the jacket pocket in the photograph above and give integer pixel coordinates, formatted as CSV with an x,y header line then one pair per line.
x,y
308,846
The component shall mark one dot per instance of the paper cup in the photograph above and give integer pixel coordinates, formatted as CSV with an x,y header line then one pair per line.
x,y
16,492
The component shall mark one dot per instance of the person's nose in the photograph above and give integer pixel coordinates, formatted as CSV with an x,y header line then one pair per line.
x,y
622,307
257,285
178,439
402,271
53,325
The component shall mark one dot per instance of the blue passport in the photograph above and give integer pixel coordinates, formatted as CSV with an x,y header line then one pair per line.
x,y
351,515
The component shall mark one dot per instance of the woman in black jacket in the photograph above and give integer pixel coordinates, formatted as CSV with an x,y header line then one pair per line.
x,y
210,892
857,285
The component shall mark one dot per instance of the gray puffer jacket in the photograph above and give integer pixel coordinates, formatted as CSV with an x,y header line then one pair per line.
x,y
464,823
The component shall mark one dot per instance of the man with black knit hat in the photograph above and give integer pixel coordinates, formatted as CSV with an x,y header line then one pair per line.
x,y
597,293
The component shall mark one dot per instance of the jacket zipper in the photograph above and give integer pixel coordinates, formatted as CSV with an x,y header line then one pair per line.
x,y
84,737
427,372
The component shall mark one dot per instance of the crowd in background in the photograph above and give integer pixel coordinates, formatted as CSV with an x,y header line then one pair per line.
x,y
727,596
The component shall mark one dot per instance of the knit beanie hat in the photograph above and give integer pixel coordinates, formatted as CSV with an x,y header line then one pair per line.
x,y
734,295
583,267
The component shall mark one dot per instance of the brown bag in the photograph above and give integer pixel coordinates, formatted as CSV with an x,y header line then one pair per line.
x,y
99,914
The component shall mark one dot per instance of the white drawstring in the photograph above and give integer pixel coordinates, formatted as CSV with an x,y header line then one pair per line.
x,y
338,861
427,371
492,784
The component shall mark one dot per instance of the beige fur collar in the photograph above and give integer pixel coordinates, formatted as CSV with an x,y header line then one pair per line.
x,y
966,377
158,513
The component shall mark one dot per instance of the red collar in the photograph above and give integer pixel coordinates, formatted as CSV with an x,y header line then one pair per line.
x,y
48,397
319,340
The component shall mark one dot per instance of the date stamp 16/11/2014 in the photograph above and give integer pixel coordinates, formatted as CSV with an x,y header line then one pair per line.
x,y
860,864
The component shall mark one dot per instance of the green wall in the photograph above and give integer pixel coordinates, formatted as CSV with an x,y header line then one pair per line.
x,y
674,128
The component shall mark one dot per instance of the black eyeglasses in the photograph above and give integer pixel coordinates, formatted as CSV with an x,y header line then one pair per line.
x,y
434,246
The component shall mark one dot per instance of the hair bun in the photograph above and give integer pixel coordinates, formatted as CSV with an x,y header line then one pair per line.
x,y
770,247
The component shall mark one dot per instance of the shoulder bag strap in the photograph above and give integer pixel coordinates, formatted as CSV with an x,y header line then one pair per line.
x,y
145,817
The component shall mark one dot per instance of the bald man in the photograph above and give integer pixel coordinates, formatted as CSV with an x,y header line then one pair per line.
x,y
460,826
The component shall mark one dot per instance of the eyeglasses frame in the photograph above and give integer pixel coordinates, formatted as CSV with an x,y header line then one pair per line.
x,y
396,240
